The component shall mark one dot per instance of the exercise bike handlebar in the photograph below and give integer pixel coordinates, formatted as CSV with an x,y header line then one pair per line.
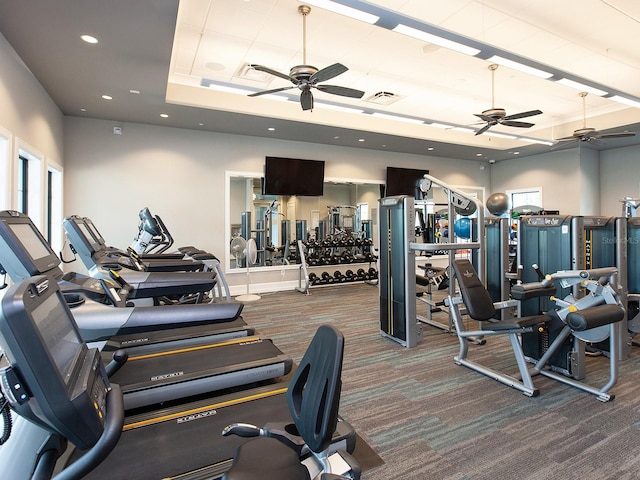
x,y
114,420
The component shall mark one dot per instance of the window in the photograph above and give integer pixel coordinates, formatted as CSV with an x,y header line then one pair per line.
x,y
29,186
525,198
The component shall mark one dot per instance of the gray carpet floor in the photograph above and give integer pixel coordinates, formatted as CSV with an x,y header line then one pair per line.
x,y
428,418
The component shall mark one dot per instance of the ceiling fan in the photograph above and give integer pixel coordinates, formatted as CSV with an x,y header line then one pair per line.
x,y
305,77
495,116
587,134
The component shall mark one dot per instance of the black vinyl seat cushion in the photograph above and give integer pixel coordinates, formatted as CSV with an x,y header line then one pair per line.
x,y
268,458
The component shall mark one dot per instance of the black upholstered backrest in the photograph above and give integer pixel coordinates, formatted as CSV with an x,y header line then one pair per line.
x,y
314,391
475,297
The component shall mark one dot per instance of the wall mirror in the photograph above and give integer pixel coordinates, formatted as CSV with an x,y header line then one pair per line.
x,y
348,206
432,222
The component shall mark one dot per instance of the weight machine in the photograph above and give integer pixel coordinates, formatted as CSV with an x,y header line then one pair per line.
x,y
397,269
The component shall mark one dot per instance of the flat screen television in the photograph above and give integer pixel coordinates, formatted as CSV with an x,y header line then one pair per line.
x,y
404,181
292,176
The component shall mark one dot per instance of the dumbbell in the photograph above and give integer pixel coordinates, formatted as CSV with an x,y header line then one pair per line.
x,y
373,273
326,276
349,276
360,274
338,276
313,278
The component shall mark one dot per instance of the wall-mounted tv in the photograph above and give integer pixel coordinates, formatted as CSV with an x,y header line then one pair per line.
x,y
404,181
292,176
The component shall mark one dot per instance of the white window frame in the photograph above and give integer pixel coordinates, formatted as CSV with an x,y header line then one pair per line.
x,y
37,168
6,140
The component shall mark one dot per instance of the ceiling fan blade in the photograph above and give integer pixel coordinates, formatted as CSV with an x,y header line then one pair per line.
x,y
306,99
510,123
567,139
265,92
616,135
273,72
484,129
530,113
343,91
328,73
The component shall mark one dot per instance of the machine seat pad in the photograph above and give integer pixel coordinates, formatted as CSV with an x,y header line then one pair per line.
x,y
475,297
516,324
526,291
266,457
594,317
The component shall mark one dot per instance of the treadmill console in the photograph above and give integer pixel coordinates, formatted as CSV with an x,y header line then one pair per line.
x,y
47,373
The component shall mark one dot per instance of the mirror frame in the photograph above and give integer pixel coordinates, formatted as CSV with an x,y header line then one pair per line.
x,y
229,174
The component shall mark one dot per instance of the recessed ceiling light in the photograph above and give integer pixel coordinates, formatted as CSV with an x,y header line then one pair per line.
x,y
361,139
135,92
478,154
164,115
271,129
89,39
83,109
336,137
200,124
430,148
107,97
516,153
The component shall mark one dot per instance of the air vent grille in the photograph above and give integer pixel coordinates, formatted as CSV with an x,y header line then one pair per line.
x,y
246,72
383,98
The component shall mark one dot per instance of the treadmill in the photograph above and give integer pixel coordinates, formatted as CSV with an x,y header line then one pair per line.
x,y
153,241
100,260
128,259
101,308
50,376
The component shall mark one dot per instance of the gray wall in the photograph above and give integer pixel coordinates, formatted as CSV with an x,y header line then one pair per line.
x,y
619,177
180,175
26,109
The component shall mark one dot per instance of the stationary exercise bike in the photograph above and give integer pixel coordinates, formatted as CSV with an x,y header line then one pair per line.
x,y
302,449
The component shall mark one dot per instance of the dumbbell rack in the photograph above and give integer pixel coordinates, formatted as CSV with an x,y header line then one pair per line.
x,y
337,253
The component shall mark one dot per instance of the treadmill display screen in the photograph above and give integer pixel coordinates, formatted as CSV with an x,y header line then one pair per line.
x,y
94,231
59,336
88,237
30,239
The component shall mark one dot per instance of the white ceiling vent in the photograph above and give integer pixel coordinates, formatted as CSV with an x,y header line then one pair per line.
x,y
246,72
383,98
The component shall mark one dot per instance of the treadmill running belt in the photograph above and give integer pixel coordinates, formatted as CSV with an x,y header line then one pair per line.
x,y
189,438
155,378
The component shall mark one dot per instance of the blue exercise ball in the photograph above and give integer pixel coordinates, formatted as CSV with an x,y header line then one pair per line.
x,y
462,227
498,204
